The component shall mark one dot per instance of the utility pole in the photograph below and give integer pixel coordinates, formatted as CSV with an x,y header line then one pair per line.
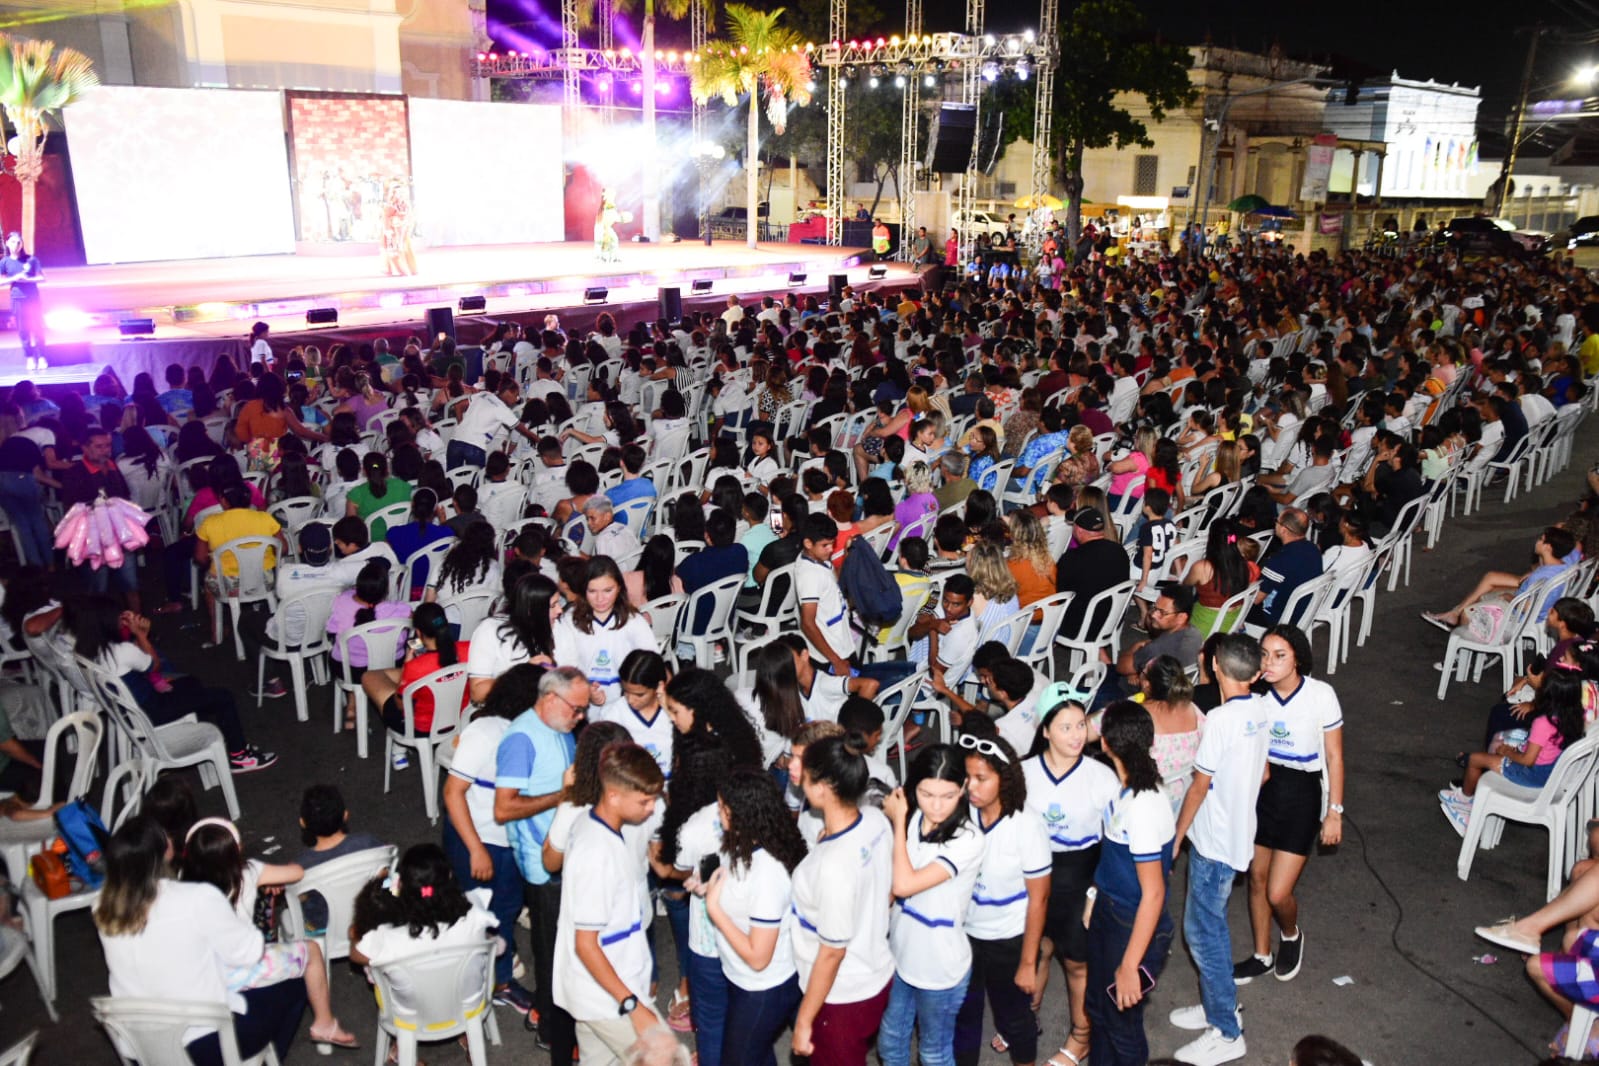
x,y
1515,129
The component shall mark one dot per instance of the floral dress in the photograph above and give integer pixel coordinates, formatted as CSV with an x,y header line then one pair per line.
x,y
1174,756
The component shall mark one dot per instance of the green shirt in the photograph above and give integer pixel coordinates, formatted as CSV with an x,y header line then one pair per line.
x,y
368,502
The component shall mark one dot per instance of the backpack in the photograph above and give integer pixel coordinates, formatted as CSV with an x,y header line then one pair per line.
x,y
868,586
83,833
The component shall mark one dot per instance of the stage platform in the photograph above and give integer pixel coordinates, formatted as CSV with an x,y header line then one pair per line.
x,y
204,307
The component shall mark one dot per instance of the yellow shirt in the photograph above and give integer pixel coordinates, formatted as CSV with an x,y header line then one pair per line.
x,y
233,523
1589,354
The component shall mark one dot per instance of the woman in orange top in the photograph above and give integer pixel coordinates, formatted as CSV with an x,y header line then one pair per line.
x,y
1029,559
269,417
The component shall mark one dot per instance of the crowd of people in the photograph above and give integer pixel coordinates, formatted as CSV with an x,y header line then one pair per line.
x,y
1214,434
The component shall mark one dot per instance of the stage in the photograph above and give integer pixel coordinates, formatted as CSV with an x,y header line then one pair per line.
x,y
203,307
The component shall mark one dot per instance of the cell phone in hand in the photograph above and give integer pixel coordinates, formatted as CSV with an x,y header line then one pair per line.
x,y
708,866
1146,985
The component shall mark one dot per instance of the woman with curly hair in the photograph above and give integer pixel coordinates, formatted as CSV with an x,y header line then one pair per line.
x,y
1030,562
746,900
1081,464
1005,924
471,565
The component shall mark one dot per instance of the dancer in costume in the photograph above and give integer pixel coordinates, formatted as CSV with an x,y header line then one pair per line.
x,y
399,255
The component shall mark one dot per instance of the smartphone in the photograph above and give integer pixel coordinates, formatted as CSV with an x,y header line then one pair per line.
x,y
1146,985
775,516
708,866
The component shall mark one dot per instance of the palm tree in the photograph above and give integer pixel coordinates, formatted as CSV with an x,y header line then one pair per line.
x,y
674,9
757,54
37,80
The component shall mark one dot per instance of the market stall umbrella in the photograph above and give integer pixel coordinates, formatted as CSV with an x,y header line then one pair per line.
x,y
1272,211
1053,203
1248,205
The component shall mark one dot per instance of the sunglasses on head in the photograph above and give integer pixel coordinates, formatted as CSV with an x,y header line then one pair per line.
x,y
982,746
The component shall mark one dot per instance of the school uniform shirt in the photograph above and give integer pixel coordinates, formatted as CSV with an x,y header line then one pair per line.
x,y
1017,848
826,696
1138,828
699,836
1019,725
485,416
841,899
653,735
599,654
815,583
500,502
955,647
1071,806
616,541
764,469
1232,752
494,649
391,943
756,896
638,837
602,891
474,762
1297,722
927,931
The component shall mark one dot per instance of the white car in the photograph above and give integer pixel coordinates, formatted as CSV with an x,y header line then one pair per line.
x,y
980,222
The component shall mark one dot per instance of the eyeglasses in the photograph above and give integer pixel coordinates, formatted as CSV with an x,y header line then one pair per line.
x,y
983,747
574,707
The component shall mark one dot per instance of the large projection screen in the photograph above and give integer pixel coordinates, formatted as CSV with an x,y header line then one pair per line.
x,y
507,189
179,173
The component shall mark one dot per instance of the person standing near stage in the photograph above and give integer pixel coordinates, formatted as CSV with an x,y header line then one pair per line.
x,y
882,241
22,272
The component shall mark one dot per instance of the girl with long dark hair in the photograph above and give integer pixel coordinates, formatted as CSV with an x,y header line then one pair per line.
x,y
367,602
524,634
937,853
775,704
423,530
1005,924
600,631
433,912
641,710
471,565
432,647
378,491
1220,575
1129,934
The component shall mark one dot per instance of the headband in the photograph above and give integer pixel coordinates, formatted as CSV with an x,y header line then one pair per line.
x,y
233,830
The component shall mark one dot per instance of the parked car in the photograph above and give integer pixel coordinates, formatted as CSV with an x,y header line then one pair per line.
x,y
1481,235
731,222
1583,233
980,222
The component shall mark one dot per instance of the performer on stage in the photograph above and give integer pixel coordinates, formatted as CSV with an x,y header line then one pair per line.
x,y
606,243
399,255
22,272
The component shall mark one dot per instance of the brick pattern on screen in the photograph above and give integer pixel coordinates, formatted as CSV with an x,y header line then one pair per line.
x,y
350,145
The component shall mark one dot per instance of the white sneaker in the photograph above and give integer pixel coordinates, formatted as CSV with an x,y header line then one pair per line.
x,y
1189,1017
1211,1049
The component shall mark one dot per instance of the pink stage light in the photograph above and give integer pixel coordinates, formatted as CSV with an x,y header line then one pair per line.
x,y
391,300
604,85
638,88
67,320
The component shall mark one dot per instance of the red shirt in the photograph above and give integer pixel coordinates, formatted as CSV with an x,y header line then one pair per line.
x,y
421,666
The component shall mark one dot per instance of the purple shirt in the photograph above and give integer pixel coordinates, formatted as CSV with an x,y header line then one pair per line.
x,y
909,510
343,617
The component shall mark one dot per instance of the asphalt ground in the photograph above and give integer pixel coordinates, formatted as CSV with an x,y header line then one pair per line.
x,y
1391,966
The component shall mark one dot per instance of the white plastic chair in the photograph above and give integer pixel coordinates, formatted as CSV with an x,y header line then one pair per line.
x,y
467,611
305,613
423,564
776,613
897,701
448,687
175,745
1040,655
1554,806
449,993
384,640
897,639
663,613
19,1053
635,514
253,581
1108,606
1502,642
395,514
20,839
1511,466
150,1032
338,882
721,596
294,510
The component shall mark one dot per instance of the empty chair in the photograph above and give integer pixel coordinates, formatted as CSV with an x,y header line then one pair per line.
x,y
384,641
708,617
1101,620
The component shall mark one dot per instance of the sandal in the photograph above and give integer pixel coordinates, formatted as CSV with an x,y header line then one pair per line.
x,y
678,1018
336,1037
1072,1059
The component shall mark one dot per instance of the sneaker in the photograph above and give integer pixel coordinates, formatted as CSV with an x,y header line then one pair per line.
x,y
400,760
1502,935
1459,817
515,996
1251,968
250,759
275,689
1211,1049
1455,795
1189,1017
1290,956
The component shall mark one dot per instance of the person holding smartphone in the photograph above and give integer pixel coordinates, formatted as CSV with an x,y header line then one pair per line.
x,y
1129,932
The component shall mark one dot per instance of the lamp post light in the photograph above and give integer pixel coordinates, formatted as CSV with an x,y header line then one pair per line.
x,y
707,154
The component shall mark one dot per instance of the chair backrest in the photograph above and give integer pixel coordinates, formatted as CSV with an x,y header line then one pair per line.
x,y
338,882
379,521
424,562
448,686
635,514
663,614
153,1031
468,611
302,621
294,510
1234,610
87,728
124,710
19,1053
436,993
777,594
1008,630
878,538
1103,615
384,640
1572,770
896,702
249,555
1305,602
720,595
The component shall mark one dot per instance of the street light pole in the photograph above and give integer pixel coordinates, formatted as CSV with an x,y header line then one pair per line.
x,y
1515,130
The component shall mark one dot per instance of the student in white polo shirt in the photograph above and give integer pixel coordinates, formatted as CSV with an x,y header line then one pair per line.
x,y
487,413
746,900
838,921
822,694
1306,741
1218,815
602,957
1005,917
824,616
937,854
642,708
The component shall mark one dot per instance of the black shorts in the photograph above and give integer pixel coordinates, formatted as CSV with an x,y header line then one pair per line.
x,y
1070,875
1288,812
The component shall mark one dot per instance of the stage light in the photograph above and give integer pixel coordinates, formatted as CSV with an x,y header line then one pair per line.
x,y
899,81
796,277
810,86
136,327
872,81
1028,36
596,295
67,320
929,81
877,272
700,286
471,303
990,71
604,85
1021,69
322,316
391,301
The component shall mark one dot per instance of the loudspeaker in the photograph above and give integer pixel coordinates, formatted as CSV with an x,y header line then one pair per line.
x,y
441,320
835,286
988,141
949,145
671,301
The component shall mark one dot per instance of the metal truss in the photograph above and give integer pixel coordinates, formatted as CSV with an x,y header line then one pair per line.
x,y
910,113
575,62
1045,60
836,14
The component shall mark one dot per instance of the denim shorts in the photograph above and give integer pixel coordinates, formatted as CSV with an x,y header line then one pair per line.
x,y
1526,776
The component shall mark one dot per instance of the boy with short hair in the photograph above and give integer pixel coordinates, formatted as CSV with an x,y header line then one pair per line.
x,y
499,498
465,499
1156,535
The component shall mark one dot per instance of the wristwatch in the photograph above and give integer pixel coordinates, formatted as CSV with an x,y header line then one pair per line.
x,y
627,1006
1336,808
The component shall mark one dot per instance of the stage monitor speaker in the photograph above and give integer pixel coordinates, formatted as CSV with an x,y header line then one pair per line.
x,y
472,304
949,145
835,285
136,327
796,277
700,286
322,316
877,272
596,294
671,300
441,320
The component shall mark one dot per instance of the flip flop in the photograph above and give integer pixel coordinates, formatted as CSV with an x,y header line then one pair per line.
x,y
1432,619
338,1038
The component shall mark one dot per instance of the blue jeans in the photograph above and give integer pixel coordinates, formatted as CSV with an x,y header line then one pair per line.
x,y
459,453
22,500
127,575
1118,1037
753,1021
1210,884
675,902
707,999
505,892
934,1011
887,674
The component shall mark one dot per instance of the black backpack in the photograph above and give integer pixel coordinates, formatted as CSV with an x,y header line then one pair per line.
x,y
868,586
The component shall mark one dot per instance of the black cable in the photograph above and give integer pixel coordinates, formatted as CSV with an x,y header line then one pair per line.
x,y
1393,938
